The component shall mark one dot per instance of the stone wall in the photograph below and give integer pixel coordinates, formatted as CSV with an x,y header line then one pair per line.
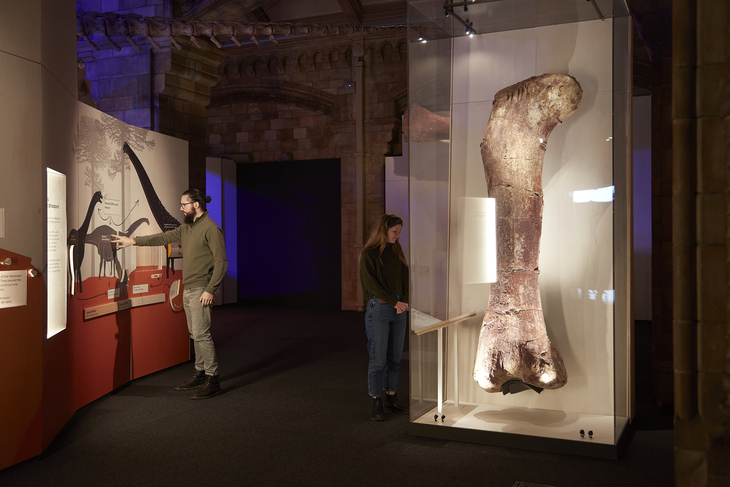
x,y
320,98
165,91
701,238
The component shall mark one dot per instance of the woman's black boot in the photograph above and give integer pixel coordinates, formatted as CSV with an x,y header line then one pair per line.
x,y
393,405
376,414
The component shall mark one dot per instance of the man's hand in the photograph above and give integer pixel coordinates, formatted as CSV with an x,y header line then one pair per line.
x,y
206,299
122,241
401,307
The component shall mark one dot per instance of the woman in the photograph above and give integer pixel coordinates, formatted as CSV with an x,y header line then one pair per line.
x,y
384,278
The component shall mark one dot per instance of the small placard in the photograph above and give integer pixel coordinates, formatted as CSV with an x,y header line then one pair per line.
x,y
140,288
109,308
112,293
101,310
13,288
91,313
111,207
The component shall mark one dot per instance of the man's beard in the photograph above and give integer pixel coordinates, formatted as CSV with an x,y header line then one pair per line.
x,y
189,218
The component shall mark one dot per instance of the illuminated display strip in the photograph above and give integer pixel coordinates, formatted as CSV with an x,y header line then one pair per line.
x,y
56,256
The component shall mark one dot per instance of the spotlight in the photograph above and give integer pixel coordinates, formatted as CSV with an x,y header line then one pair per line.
x,y
468,32
466,9
446,13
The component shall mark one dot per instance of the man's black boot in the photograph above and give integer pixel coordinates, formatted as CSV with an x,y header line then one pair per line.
x,y
376,413
194,382
211,387
393,405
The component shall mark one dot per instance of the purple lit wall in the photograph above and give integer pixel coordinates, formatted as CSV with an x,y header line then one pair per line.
x,y
642,208
220,185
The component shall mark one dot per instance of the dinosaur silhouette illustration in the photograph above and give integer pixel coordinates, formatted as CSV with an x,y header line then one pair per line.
x,y
163,218
101,239
76,243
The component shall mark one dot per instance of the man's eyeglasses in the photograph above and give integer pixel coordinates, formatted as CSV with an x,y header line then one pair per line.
x,y
182,205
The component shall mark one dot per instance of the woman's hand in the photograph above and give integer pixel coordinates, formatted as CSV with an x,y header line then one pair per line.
x,y
401,307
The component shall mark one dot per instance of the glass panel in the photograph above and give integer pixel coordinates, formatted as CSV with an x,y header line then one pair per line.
x,y
584,261
429,64
623,239
576,275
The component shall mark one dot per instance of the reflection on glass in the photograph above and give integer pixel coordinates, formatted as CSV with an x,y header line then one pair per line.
x,y
600,195
480,241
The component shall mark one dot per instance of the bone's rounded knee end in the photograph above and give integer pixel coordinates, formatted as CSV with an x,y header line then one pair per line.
x,y
548,377
485,381
482,379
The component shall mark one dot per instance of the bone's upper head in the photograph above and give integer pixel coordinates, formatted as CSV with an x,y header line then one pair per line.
x,y
549,96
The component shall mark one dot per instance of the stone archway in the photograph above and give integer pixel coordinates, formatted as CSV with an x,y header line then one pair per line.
x,y
316,101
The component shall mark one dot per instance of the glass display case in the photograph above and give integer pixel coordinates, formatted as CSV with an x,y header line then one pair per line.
x,y
460,55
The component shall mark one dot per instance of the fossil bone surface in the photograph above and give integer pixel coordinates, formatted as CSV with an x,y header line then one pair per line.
x,y
513,343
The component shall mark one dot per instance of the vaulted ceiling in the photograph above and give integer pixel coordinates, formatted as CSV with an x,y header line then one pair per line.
x,y
352,12
652,18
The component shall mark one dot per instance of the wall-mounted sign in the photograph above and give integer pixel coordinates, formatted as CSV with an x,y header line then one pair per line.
x,y
124,304
140,288
13,288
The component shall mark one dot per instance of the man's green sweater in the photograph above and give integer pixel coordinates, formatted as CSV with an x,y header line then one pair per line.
x,y
383,275
204,252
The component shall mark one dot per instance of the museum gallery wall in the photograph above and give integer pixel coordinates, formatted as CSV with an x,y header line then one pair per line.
x,y
37,121
123,320
128,182
577,248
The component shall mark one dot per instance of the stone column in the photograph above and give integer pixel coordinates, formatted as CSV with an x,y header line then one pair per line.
x,y
358,75
701,132
182,85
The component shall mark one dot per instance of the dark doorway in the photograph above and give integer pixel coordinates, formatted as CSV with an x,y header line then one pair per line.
x,y
289,234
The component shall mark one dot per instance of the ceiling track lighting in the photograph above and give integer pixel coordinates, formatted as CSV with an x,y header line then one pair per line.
x,y
449,6
468,25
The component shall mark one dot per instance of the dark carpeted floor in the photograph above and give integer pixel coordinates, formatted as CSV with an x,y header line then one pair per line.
x,y
294,413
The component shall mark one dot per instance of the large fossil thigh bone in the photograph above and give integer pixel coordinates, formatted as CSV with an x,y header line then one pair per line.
x,y
513,342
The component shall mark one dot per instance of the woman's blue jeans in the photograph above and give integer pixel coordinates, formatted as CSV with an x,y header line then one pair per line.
x,y
386,332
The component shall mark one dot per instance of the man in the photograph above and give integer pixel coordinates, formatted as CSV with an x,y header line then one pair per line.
x,y
204,265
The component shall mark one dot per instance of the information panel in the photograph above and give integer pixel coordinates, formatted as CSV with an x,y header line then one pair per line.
x,y
13,288
57,276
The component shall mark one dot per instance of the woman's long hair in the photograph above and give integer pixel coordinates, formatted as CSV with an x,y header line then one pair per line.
x,y
379,236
